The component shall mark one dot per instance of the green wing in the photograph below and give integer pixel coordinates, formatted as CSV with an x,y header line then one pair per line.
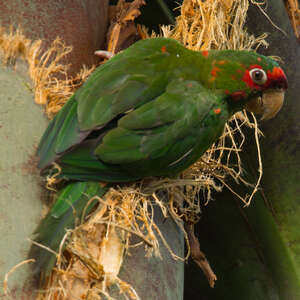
x,y
136,116
127,81
62,133
151,130
161,137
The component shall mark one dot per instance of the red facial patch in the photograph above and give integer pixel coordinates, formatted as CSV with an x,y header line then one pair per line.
x,y
276,73
247,79
236,96
163,49
205,53
221,62
217,111
214,71
255,67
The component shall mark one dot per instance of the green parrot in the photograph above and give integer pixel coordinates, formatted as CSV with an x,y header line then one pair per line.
x,y
151,110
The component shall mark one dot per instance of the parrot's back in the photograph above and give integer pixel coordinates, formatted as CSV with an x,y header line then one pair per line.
x,y
145,112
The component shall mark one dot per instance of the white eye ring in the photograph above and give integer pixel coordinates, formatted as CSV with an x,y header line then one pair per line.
x,y
258,76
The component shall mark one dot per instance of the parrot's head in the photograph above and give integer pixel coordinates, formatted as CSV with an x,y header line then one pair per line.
x,y
250,80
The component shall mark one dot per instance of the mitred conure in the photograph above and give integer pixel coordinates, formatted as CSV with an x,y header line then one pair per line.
x,y
151,110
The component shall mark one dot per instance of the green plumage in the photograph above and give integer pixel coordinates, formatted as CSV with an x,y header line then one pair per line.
x,y
151,110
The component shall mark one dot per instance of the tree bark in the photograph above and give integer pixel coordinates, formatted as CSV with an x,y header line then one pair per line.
x,y
81,24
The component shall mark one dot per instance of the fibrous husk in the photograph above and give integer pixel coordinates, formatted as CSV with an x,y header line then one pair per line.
x,y
122,31
50,82
293,10
96,250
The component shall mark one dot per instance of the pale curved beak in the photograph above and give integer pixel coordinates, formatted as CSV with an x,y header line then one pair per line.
x,y
268,105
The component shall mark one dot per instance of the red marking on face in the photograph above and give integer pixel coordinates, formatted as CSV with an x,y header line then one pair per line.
x,y
205,53
217,111
227,92
163,49
259,59
255,66
189,85
277,75
214,71
236,96
248,80
221,62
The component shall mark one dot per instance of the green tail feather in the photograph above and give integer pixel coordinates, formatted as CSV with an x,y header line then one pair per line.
x,y
81,164
65,213
62,133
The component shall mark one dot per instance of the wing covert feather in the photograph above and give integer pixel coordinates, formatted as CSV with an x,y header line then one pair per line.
x,y
62,133
127,81
153,129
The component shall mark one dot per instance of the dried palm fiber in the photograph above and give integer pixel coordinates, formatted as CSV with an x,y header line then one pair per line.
x,y
44,68
127,211
293,10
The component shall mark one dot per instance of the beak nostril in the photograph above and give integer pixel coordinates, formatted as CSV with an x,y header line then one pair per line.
x,y
282,83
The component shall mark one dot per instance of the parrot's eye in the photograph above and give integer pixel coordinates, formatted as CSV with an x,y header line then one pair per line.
x,y
259,76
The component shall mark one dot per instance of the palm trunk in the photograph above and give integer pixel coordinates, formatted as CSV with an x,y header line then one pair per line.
x,y
255,250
